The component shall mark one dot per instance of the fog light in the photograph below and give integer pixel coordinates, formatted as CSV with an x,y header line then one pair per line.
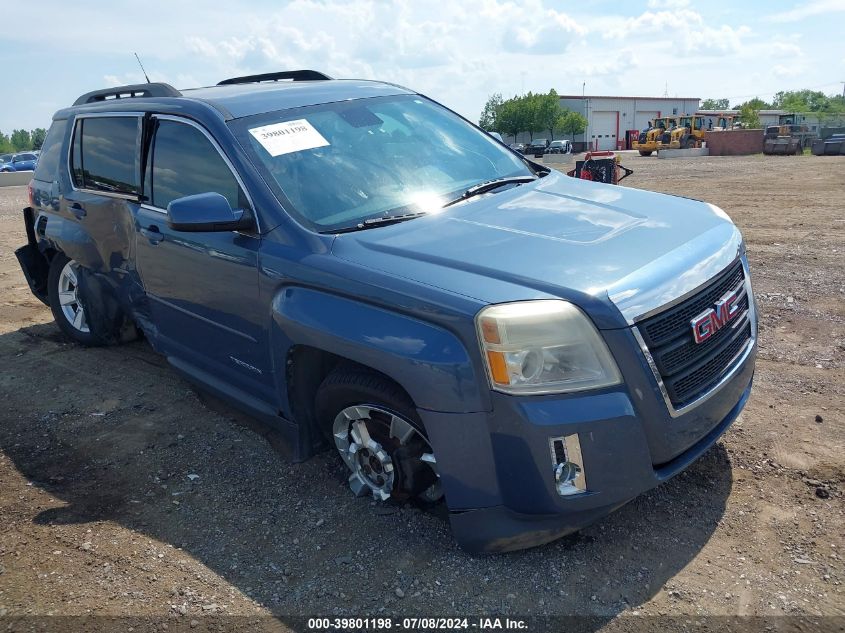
x,y
570,478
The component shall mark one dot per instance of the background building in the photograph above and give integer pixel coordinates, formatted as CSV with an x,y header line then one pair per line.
x,y
815,121
609,119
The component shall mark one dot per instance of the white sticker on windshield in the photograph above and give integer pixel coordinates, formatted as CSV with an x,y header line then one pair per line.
x,y
287,137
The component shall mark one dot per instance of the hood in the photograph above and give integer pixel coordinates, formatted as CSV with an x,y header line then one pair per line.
x,y
559,236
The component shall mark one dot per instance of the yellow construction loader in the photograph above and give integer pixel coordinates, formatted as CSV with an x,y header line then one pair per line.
x,y
718,123
646,142
687,134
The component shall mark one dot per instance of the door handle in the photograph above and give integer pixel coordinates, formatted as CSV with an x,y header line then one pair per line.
x,y
78,210
153,234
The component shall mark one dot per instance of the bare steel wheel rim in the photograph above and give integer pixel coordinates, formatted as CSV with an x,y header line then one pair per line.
x,y
69,297
368,439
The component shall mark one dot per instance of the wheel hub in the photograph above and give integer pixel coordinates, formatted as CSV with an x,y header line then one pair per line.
x,y
367,438
372,467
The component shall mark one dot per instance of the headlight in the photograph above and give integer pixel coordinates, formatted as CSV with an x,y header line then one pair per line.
x,y
547,346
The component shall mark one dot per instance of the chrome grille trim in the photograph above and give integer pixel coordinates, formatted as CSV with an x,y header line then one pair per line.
x,y
735,363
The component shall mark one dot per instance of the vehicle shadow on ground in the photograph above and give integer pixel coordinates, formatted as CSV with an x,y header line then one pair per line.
x,y
114,433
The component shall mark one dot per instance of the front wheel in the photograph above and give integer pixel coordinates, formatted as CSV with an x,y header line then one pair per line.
x,y
644,153
376,431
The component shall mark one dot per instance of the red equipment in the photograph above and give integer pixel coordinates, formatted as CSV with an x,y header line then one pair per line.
x,y
600,167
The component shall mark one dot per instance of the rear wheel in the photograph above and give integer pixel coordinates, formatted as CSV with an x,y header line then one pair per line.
x,y
645,153
689,143
67,301
376,431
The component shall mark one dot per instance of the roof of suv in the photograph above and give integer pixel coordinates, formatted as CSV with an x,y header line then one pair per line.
x,y
241,100
246,96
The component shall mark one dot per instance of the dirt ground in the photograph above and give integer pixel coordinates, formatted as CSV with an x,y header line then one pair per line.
x,y
124,492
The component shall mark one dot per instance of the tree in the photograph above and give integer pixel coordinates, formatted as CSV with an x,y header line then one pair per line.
x,y
529,106
510,119
547,112
21,140
6,146
572,123
801,101
490,113
749,117
715,104
756,104
38,135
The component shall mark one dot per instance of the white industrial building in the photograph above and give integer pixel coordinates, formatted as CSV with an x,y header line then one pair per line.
x,y
611,121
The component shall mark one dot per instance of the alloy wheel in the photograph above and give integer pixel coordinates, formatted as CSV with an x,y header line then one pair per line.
x,y
377,445
72,308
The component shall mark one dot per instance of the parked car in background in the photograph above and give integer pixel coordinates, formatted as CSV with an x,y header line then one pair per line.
x,y
559,147
519,147
537,147
367,272
25,161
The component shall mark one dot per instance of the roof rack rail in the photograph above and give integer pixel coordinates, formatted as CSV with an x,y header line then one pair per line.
x,y
293,75
126,92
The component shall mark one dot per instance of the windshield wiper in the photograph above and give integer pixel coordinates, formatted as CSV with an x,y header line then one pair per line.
x,y
379,221
484,187
475,190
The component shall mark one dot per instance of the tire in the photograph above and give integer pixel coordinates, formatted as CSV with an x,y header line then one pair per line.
x,y
645,153
689,143
351,389
63,285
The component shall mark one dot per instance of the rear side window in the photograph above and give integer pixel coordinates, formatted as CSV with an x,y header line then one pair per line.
x,y
186,163
51,150
104,156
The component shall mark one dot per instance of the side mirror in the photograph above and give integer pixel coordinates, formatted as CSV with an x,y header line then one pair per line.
x,y
206,212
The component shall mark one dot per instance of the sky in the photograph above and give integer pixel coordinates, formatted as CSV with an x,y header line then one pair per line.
x,y
459,53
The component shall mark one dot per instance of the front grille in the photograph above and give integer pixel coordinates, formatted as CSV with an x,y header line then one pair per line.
x,y
662,327
689,369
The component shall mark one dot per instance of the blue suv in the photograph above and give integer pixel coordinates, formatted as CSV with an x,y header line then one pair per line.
x,y
366,271
25,161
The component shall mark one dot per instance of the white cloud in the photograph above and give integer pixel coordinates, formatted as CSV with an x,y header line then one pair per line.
x,y
457,53
534,29
686,32
785,49
808,9
782,71
667,4
127,79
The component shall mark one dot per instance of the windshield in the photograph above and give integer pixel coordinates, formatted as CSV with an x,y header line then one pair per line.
x,y
336,165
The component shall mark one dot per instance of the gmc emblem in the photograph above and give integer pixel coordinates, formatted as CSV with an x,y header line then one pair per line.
x,y
714,319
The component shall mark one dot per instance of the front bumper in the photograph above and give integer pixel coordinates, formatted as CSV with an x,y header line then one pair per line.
x,y
497,472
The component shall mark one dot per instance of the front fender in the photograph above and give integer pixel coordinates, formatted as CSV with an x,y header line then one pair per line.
x,y
428,361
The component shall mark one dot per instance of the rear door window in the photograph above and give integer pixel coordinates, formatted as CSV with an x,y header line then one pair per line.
x,y
185,163
105,154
